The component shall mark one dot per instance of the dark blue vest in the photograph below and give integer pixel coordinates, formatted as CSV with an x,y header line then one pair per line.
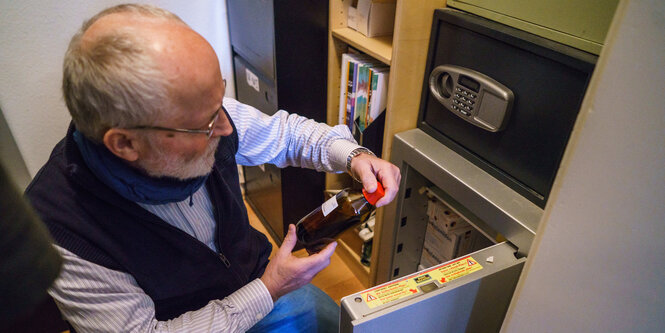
x,y
177,271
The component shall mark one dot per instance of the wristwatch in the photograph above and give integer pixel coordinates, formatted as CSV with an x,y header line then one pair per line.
x,y
354,153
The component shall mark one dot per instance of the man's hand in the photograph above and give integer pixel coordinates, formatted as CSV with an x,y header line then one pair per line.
x,y
286,273
369,168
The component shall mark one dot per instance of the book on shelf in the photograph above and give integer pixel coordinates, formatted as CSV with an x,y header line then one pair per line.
x,y
347,89
351,107
363,90
378,93
362,94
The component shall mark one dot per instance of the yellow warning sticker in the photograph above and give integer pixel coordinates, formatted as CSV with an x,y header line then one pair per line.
x,y
455,269
410,286
390,293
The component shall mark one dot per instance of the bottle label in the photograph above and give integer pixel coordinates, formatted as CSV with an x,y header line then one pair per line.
x,y
329,205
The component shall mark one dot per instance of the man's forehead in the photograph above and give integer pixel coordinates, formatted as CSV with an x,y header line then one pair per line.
x,y
128,22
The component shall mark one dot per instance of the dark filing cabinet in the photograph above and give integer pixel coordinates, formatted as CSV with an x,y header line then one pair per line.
x,y
280,62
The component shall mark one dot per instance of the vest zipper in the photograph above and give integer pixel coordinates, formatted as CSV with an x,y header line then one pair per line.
x,y
226,261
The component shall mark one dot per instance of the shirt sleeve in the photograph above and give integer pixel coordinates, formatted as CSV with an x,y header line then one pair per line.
x,y
285,139
93,298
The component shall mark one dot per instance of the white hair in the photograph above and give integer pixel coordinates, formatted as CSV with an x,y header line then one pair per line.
x,y
114,81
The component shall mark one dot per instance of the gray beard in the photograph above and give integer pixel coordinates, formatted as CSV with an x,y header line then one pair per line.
x,y
174,166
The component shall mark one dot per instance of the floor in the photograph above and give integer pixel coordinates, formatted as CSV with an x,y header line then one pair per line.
x,y
336,280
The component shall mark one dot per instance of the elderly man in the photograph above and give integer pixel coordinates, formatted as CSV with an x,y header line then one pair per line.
x,y
142,195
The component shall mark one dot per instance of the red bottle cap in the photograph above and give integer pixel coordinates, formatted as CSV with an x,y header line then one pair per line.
x,y
372,198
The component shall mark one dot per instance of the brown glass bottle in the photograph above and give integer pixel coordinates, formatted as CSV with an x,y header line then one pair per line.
x,y
344,210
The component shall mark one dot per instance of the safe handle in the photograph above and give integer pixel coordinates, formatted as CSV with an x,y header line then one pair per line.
x,y
472,96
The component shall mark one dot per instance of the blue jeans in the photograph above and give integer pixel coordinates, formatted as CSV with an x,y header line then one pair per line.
x,y
307,309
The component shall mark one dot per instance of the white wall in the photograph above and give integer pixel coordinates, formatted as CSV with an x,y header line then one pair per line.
x,y
34,35
598,263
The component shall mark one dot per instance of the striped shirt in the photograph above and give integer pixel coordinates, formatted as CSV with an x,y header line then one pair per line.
x,y
93,298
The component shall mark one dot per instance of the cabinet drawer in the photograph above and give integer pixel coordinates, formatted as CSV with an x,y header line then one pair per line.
x,y
582,24
252,30
254,90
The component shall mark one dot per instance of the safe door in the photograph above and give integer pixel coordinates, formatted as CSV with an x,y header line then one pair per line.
x,y
468,287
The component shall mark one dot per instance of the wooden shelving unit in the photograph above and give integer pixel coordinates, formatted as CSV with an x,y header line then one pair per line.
x,y
381,48
405,52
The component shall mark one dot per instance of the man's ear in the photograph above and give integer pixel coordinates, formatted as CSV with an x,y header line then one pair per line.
x,y
122,143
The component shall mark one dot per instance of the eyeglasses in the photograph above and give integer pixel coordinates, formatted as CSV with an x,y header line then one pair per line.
x,y
210,128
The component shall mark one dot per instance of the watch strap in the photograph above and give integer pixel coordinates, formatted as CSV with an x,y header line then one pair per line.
x,y
354,153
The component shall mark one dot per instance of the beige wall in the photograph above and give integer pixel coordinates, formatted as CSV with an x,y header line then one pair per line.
x,y
598,263
34,35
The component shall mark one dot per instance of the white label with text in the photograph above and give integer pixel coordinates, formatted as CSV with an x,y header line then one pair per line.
x,y
329,205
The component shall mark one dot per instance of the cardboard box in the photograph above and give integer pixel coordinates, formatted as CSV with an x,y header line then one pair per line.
x,y
444,218
464,239
427,260
439,244
352,15
372,18
451,245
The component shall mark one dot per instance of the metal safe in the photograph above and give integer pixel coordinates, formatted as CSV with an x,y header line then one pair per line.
x,y
466,294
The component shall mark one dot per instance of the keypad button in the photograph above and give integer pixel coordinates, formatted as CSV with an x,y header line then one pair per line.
x,y
465,113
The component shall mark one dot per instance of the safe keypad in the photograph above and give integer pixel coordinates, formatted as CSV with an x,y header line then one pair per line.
x,y
463,101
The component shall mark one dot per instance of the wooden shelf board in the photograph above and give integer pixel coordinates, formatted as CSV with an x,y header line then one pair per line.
x,y
352,261
381,48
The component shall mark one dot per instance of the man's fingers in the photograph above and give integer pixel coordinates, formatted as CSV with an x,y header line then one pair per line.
x,y
322,259
290,240
328,251
321,255
390,177
367,177
387,198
